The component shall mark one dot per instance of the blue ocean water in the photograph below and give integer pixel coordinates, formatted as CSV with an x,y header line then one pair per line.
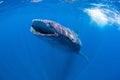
x,y
23,56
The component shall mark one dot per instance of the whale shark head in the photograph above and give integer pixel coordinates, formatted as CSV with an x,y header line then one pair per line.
x,y
60,33
41,27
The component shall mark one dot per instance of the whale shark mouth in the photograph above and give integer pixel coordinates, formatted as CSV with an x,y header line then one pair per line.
x,y
40,28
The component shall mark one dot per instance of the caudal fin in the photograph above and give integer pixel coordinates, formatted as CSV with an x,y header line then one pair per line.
x,y
84,56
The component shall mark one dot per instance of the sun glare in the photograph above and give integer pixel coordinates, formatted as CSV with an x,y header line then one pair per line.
x,y
104,16
97,16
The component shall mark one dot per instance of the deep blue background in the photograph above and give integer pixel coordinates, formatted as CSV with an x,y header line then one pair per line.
x,y
24,56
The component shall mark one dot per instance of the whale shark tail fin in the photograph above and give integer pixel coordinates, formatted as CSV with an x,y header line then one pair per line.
x,y
84,56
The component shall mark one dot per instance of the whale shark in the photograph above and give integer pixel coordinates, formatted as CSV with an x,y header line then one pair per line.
x,y
64,35
52,29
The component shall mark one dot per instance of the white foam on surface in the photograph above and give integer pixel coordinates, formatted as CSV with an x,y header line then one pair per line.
x,y
35,1
104,16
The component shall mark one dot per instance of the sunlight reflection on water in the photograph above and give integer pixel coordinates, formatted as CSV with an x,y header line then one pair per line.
x,y
1,2
35,1
103,16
